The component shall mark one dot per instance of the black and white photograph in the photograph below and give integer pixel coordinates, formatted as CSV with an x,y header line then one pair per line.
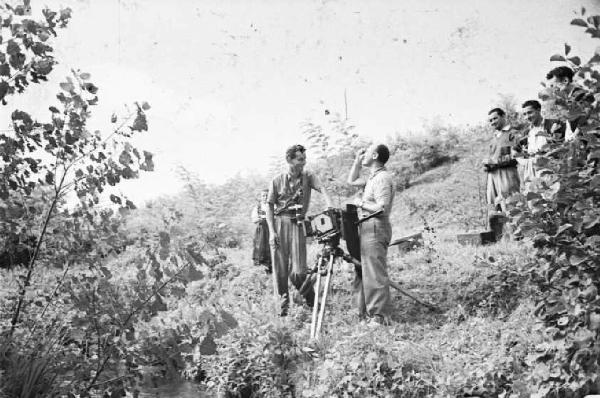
x,y
299,198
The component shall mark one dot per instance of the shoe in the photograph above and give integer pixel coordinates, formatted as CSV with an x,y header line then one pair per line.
x,y
376,321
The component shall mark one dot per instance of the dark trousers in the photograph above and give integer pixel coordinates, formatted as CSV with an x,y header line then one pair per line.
x,y
261,253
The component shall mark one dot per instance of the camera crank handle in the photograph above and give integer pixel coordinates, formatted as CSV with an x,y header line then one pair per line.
x,y
368,217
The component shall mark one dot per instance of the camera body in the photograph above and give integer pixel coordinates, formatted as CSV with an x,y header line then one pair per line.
x,y
326,223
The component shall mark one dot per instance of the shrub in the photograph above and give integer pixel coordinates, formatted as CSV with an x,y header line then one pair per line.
x,y
559,214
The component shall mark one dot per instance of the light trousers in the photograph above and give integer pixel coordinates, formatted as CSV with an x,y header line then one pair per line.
x,y
373,289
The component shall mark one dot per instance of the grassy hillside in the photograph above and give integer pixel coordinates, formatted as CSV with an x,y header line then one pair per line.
x,y
477,343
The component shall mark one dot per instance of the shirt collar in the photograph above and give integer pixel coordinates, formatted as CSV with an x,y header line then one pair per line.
x,y
504,129
289,176
377,170
541,125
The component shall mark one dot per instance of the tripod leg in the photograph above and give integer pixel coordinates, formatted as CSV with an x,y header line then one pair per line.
x,y
325,291
313,323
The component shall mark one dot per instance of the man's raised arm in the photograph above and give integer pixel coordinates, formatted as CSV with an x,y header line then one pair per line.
x,y
354,176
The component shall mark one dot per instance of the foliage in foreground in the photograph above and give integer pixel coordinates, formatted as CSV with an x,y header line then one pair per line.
x,y
477,343
560,213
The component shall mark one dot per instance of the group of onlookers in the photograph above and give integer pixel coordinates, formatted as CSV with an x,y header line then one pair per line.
x,y
513,152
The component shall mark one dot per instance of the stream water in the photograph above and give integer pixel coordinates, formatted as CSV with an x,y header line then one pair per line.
x,y
180,389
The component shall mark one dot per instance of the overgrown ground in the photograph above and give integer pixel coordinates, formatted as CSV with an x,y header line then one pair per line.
x,y
479,343
478,340
222,329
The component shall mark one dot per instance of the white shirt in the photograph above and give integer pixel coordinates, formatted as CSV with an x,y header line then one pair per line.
x,y
570,133
536,139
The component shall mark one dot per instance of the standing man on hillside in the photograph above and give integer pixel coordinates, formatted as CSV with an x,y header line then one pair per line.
x,y
560,80
541,132
373,289
287,203
501,168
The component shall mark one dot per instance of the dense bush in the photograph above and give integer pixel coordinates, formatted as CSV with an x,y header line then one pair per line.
x,y
413,155
560,213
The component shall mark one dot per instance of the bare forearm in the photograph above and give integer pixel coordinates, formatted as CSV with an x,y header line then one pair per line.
x,y
354,172
371,207
327,198
270,218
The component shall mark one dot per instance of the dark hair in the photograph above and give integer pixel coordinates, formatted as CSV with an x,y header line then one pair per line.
x,y
383,153
290,153
561,72
499,111
533,103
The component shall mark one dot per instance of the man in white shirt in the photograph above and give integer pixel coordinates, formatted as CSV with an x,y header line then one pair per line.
x,y
373,288
541,132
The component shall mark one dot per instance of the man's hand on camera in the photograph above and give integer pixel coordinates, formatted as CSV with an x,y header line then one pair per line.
x,y
274,239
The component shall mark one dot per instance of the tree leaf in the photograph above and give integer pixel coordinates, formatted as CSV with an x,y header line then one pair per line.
x,y
130,205
125,158
595,59
575,60
49,177
4,70
594,20
563,228
115,199
577,259
194,274
140,123
579,22
567,49
91,88
67,86
228,319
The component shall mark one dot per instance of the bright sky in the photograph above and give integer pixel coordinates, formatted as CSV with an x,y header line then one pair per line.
x,y
230,82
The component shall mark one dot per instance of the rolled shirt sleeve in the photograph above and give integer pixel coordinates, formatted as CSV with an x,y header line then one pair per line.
x,y
383,191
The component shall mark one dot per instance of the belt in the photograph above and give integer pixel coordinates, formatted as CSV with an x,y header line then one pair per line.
x,y
381,217
286,213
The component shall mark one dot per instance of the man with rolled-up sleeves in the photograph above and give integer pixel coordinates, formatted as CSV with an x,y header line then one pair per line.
x,y
373,289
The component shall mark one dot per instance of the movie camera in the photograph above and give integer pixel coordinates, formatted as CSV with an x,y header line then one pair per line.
x,y
328,227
